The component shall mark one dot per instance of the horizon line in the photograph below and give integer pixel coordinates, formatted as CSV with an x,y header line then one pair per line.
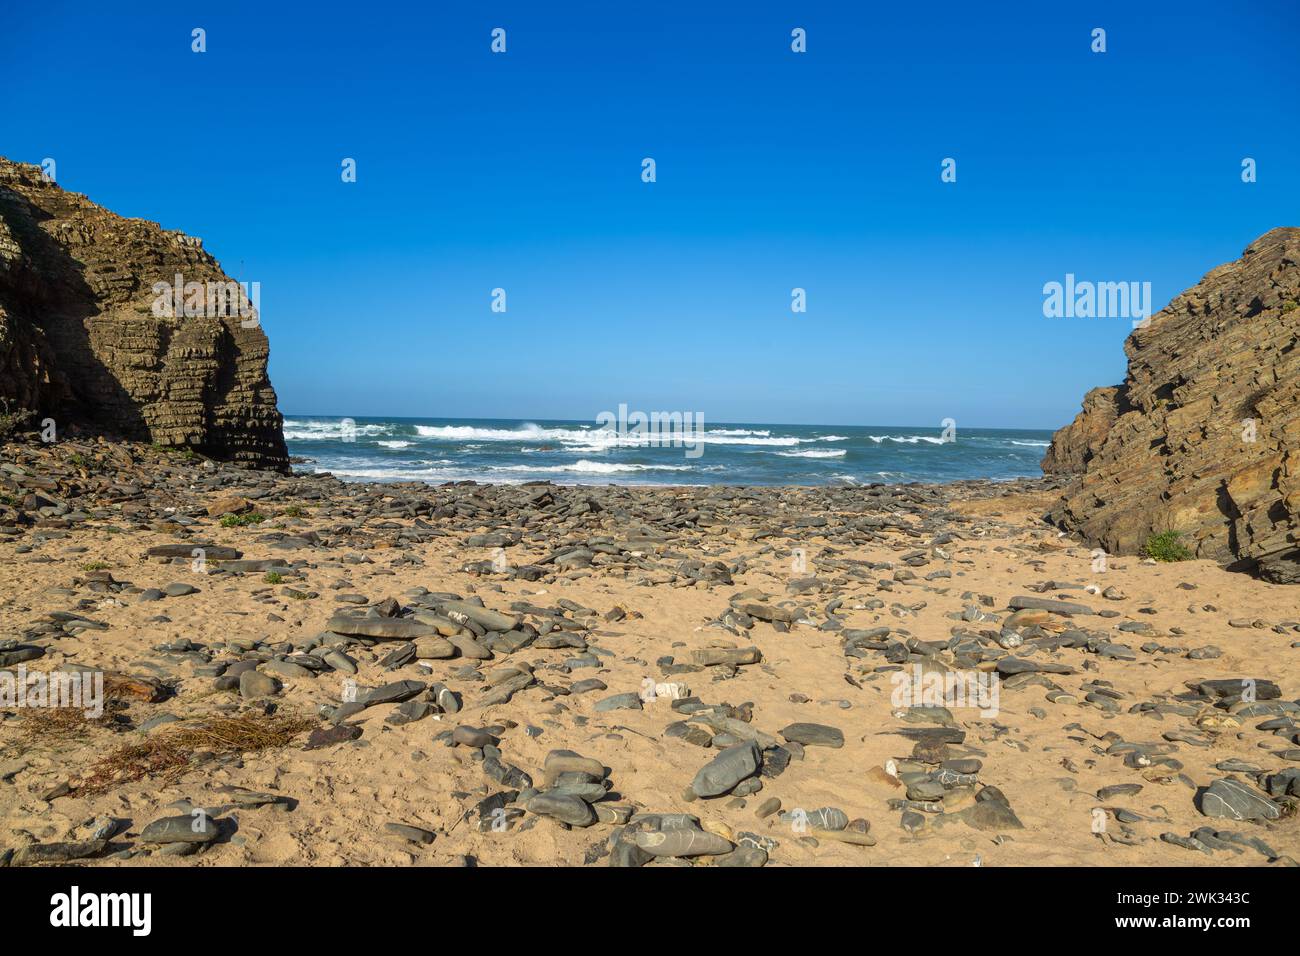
x,y
542,418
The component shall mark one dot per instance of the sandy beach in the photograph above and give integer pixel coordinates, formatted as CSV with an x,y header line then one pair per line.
x,y
1103,740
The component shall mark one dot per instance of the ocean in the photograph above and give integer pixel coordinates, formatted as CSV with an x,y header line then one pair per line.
x,y
509,451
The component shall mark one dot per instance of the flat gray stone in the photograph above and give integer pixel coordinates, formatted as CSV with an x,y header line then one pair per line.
x,y
628,701
723,772
187,828
814,735
1231,799
568,809
253,684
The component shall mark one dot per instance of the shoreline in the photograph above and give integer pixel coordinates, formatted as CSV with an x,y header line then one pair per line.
x,y
433,486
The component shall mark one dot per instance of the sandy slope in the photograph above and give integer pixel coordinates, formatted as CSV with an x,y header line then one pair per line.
x,y
1048,766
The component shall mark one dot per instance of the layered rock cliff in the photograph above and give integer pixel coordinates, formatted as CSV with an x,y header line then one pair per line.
x,y
84,341
1203,436
1074,445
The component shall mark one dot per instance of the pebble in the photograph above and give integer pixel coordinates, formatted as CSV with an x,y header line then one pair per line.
x,y
814,735
727,769
189,828
1231,799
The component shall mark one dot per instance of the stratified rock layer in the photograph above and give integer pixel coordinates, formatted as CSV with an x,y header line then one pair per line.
x,y
1203,437
1075,444
80,343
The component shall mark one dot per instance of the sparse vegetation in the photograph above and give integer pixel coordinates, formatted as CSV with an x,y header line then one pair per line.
x,y
1166,546
170,752
242,521
54,723
295,511
11,421
185,454
274,577
95,566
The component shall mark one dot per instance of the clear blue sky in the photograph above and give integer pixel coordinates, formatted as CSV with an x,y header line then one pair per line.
x,y
775,170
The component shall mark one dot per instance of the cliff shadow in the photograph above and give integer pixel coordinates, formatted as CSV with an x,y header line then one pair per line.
x,y
51,304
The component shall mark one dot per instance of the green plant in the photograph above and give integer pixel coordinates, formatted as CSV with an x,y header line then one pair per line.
x,y
295,511
95,566
185,454
1166,546
11,421
242,521
274,577
78,459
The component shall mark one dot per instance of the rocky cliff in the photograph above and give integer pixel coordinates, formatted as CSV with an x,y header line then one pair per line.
x,y
92,337
1203,436
1074,445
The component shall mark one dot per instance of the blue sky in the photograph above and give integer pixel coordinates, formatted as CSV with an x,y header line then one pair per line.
x,y
775,170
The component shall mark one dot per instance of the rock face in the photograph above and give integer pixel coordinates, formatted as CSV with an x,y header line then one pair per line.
x,y
1075,444
1203,437
84,341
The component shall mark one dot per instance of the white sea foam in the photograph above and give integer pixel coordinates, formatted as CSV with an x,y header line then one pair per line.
x,y
525,432
584,466
907,439
576,453
579,438
438,475
312,429
394,474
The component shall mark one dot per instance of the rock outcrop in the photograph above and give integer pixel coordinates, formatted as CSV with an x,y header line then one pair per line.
x,y
85,342
1074,445
1203,437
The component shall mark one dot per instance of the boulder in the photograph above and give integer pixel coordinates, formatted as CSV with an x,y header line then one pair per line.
x,y
1203,436
87,339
